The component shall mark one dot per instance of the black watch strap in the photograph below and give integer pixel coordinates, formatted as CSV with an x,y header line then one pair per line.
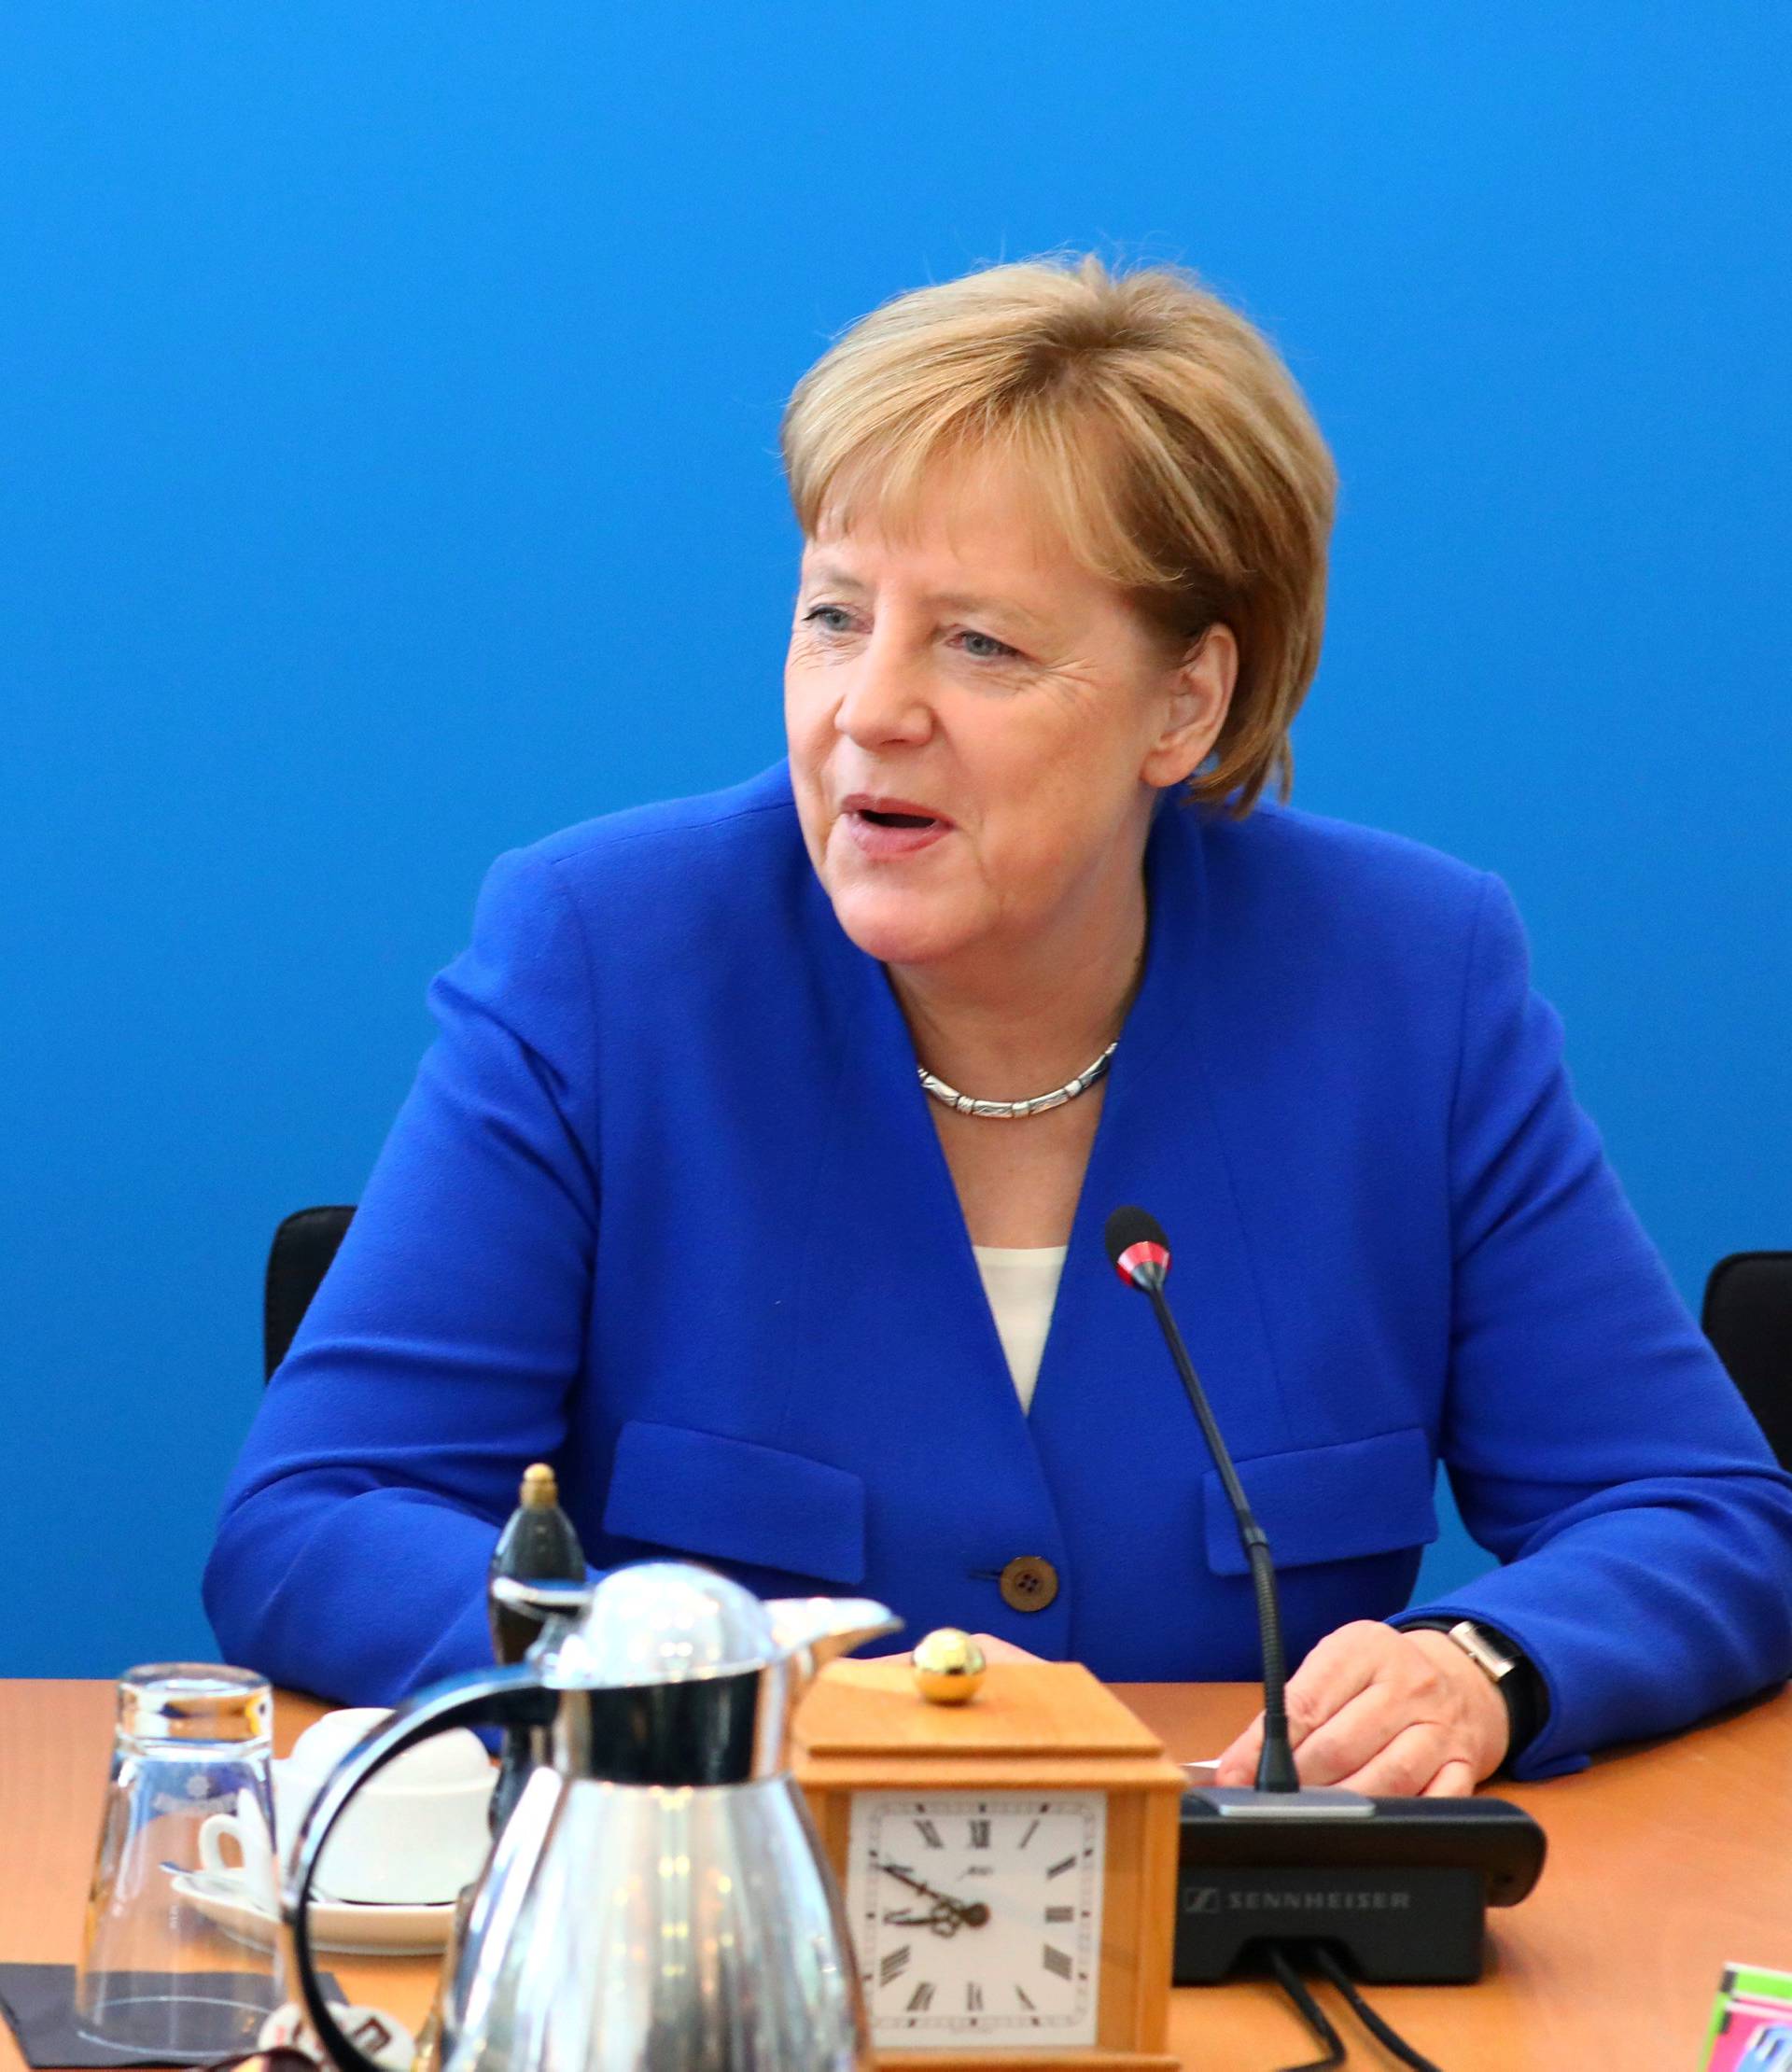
x,y
1527,1698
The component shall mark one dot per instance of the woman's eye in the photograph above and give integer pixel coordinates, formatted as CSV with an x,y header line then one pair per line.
x,y
1002,648
992,650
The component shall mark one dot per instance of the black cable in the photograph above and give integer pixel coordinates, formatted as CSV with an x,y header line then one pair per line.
x,y
1310,2012
1385,2035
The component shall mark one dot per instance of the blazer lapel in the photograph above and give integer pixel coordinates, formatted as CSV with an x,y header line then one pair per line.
x,y
1162,1145
890,1292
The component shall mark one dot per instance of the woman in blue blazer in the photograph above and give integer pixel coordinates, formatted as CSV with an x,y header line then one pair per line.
x,y
687,1197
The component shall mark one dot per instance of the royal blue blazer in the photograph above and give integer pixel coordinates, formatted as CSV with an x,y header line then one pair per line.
x,y
666,1207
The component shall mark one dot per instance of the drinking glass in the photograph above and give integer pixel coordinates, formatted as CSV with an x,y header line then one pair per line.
x,y
160,1976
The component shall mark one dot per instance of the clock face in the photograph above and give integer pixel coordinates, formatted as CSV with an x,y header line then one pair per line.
x,y
976,1916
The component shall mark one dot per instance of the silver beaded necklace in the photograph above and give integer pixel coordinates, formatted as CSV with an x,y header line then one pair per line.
x,y
1013,1110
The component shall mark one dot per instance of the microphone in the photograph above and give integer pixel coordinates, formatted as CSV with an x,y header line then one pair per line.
x,y
1141,1256
1400,1885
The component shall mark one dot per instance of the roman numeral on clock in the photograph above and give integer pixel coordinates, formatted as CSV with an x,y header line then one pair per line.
x,y
979,1834
930,1834
896,1961
973,1998
1061,1914
1057,1962
921,1998
1057,1870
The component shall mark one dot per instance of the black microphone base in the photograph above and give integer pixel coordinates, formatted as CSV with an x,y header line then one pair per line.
x,y
1398,1928
1400,1892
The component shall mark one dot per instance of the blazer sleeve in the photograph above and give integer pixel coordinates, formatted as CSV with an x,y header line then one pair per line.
x,y
437,1356
1592,1438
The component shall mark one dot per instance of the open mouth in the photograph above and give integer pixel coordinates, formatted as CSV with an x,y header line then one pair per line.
x,y
880,809
886,829
897,820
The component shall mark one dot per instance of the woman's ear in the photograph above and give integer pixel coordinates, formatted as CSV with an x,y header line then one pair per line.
x,y
1199,698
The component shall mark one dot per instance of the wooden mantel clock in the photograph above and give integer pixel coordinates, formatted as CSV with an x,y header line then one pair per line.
x,y
1009,1865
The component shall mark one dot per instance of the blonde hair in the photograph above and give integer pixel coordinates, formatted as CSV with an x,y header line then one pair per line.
x,y
1168,440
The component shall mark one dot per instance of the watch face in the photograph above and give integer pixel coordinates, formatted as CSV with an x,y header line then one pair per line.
x,y
976,1916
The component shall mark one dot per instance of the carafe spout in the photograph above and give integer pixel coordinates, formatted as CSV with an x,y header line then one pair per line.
x,y
814,1630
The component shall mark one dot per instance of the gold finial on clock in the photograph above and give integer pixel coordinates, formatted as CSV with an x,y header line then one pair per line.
x,y
949,1667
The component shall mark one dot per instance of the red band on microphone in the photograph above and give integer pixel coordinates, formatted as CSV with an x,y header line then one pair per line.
x,y
1143,1253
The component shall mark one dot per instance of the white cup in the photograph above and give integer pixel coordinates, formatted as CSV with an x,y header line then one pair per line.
x,y
253,1866
413,1836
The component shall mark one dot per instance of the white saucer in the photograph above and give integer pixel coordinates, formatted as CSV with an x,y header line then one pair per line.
x,y
339,1924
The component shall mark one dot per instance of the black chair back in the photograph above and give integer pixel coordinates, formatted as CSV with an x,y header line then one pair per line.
x,y
299,1257
1748,1319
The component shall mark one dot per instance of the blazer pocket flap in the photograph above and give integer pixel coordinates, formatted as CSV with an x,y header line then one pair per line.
x,y
1328,1502
735,1501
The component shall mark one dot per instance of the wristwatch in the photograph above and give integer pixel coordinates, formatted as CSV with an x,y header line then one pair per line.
x,y
1512,1671
1483,1648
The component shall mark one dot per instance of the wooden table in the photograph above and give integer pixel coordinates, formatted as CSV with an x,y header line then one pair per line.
x,y
1664,1863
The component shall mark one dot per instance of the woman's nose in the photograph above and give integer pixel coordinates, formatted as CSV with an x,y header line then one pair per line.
x,y
884,699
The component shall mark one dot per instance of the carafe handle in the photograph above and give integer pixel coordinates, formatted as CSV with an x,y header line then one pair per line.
x,y
486,1697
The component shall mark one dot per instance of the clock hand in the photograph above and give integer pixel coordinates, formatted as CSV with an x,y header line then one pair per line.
x,y
908,1878
973,1912
944,1921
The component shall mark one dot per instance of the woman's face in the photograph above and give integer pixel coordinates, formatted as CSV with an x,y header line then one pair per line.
x,y
978,727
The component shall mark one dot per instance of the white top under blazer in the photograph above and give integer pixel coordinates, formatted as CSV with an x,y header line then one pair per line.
x,y
1021,1282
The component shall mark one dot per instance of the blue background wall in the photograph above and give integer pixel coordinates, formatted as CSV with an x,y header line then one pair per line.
x,y
387,401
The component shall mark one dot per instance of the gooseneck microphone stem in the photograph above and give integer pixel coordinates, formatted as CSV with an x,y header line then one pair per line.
x,y
1276,1764
1141,1256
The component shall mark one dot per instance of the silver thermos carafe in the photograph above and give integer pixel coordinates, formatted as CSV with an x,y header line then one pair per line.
x,y
658,1899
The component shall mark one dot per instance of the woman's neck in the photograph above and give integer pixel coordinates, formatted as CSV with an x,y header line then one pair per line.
x,y
1004,1025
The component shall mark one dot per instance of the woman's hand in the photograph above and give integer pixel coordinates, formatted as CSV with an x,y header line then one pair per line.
x,y
1390,1714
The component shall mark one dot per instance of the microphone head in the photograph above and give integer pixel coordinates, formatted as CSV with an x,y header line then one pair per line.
x,y
1137,1248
